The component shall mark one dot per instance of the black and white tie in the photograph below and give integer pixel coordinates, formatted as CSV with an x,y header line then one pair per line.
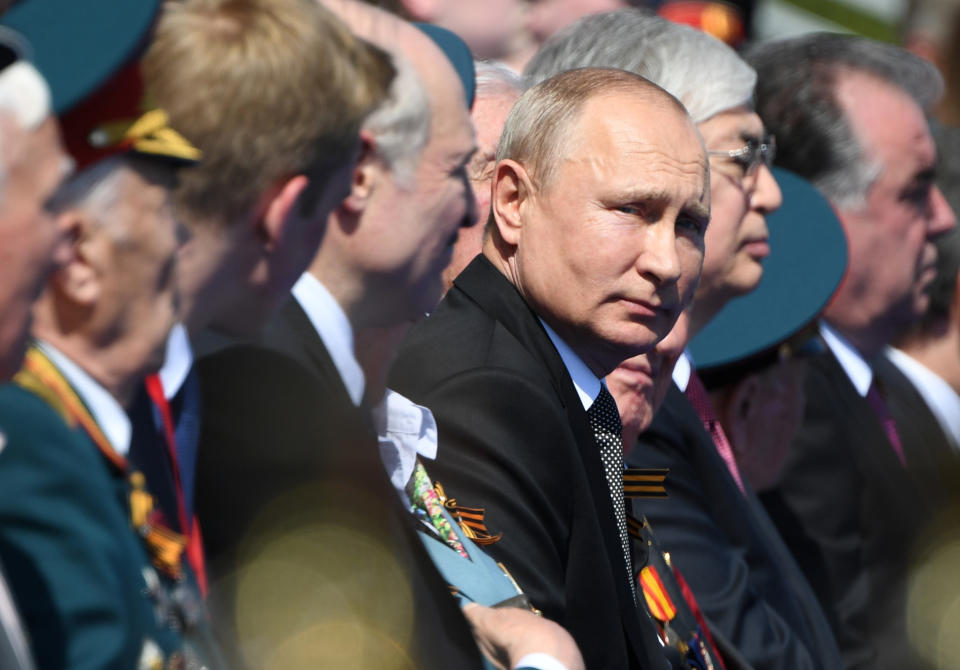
x,y
607,429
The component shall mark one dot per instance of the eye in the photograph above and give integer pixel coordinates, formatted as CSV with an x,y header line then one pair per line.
x,y
632,210
692,224
917,197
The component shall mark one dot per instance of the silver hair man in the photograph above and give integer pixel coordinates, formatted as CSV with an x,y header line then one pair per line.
x,y
702,72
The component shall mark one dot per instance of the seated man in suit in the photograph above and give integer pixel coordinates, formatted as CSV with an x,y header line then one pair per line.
x,y
599,205
848,114
713,527
97,580
33,164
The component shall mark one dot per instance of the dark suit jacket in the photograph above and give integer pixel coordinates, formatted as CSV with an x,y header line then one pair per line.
x,y
289,474
515,440
724,544
850,512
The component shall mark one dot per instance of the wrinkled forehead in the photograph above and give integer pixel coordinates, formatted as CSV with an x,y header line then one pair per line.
x,y
632,137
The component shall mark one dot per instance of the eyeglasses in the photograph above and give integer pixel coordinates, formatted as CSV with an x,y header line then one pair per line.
x,y
751,155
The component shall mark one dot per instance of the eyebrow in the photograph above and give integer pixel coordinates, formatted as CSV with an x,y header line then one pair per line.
x,y
698,210
660,197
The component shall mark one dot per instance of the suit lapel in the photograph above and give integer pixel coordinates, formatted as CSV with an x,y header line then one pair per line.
x,y
488,288
293,334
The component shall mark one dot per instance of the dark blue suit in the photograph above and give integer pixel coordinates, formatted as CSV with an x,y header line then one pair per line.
x,y
742,575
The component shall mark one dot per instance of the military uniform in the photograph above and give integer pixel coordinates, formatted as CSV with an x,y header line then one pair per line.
x,y
86,585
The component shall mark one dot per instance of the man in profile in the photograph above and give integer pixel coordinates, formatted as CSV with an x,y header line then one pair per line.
x,y
848,114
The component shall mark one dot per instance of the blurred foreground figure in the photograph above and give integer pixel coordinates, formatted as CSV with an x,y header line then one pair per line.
x,y
590,254
848,114
929,352
33,165
98,578
755,598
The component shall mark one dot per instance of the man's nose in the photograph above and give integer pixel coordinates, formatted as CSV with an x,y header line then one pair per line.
x,y
766,196
659,259
942,216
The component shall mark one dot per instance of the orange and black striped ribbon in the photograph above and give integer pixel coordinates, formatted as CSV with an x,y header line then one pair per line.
x,y
644,483
470,519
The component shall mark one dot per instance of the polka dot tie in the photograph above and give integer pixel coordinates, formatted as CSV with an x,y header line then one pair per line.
x,y
607,429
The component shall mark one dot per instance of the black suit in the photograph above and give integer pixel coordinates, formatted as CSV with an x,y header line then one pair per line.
x,y
738,568
515,440
287,461
850,512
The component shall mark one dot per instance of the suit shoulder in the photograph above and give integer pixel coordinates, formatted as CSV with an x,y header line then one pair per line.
x,y
459,338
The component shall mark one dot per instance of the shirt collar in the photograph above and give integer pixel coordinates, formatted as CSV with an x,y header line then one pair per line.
x,y
176,362
586,383
333,327
682,370
943,401
857,369
104,408
405,430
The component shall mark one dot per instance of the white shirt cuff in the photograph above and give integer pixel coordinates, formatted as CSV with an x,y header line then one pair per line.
x,y
541,662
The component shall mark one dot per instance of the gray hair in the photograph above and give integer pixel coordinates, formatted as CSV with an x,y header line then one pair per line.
x,y
705,74
401,124
797,102
93,190
541,117
495,78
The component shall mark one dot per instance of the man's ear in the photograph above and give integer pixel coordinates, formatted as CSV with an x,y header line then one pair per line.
x,y
510,191
282,199
365,171
81,256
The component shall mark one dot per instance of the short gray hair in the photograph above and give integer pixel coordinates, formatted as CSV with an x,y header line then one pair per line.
x,y
495,78
705,74
93,189
401,124
543,114
797,102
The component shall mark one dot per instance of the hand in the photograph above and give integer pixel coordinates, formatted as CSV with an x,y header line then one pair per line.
x,y
507,635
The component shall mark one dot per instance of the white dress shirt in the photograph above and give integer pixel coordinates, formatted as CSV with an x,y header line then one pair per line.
x,y
333,327
106,411
405,430
941,398
858,370
177,361
682,370
587,384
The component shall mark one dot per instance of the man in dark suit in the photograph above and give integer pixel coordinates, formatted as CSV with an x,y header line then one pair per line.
x,y
715,532
848,114
303,475
596,242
